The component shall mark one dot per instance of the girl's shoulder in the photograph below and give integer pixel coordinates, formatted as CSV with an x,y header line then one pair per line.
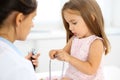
x,y
96,38
96,41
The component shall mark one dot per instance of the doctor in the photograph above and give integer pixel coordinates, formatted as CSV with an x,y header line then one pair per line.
x,y
15,23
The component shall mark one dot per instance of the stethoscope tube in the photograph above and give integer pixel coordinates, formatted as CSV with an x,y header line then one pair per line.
x,y
50,62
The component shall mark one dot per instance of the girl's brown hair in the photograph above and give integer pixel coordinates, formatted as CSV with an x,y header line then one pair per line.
x,y
88,9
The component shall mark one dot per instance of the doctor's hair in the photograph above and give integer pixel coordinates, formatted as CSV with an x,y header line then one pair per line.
x,y
91,13
8,6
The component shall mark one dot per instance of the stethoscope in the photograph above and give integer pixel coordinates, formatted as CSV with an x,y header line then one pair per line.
x,y
50,64
34,52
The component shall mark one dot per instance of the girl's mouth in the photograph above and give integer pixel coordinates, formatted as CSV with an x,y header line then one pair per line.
x,y
75,34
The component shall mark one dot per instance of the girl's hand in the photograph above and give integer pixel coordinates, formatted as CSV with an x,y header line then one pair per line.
x,y
52,54
63,55
64,78
35,58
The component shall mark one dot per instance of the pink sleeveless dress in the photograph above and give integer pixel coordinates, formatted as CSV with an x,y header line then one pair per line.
x,y
80,50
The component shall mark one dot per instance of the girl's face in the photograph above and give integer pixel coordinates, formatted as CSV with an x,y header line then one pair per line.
x,y
76,23
25,26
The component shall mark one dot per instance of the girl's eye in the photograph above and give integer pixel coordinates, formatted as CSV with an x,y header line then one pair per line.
x,y
74,23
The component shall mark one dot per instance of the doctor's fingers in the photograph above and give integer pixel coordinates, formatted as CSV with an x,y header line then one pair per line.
x,y
28,56
35,62
36,56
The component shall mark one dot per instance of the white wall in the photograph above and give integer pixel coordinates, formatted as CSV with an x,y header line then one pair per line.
x,y
111,11
116,13
113,57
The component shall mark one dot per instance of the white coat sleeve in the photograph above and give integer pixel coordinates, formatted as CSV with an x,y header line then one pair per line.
x,y
22,74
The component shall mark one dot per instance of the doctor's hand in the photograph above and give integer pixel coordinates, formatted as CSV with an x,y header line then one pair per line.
x,y
35,58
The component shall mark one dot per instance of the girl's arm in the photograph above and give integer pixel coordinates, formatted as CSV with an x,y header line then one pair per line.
x,y
91,65
67,48
62,54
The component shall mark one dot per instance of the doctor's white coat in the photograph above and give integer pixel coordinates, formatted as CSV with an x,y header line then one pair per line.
x,y
12,65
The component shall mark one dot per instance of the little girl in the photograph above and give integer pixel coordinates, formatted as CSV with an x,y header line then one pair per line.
x,y
86,40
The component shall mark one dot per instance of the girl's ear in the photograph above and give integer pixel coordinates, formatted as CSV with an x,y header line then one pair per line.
x,y
19,19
